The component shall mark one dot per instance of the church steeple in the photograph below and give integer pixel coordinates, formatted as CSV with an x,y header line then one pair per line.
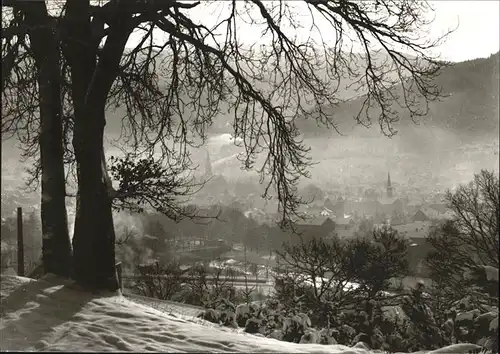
x,y
208,166
389,186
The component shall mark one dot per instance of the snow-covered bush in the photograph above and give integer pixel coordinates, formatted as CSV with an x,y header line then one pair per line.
x,y
253,325
311,336
210,315
422,329
242,314
228,319
276,334
327,336
295,327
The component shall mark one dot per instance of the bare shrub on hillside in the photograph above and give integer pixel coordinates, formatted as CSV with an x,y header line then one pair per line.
x,y
465,259
159,281
335,280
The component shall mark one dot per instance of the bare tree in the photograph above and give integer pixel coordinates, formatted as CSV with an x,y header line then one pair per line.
x,y
468,243
31,92
316,272
209,68
476,212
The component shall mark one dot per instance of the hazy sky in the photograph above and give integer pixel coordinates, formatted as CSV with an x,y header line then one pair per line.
x,y
476,36
478,31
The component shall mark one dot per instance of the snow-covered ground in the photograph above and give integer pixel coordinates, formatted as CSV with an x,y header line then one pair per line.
x,y
51,314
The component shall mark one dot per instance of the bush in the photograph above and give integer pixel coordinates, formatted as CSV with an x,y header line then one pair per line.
x,y
242,314
276,334
228,318
295,327
210,315
311,336
199,290
159,281
253,325
318,273
465,255
426,333
326,336
368,314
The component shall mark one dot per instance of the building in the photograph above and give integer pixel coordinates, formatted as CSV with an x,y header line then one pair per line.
x,y
339,209
390,191
344,223
326,228
390,204
208,166
319,227
364,209
426,213
420,216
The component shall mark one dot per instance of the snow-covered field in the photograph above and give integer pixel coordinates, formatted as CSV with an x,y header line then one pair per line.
x,y
51,314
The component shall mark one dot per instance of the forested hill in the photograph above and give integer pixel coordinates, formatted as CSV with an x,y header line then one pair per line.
x,y
469,108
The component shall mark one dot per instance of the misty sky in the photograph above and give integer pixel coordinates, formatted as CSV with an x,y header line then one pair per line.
x,y
477,34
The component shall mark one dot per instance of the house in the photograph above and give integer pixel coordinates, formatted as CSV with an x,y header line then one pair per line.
x,y
328,224
412,208
328,204
392,205
431,213
326,212
315,227
344,223
339,208
420,216
443,212
367,208
398,206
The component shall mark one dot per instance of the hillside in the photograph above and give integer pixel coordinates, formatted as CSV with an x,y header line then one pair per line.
x,y
469,108
422,155
222,122
51,315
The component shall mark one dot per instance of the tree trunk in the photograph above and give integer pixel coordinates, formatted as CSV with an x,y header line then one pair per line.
x,y
56,246
94,235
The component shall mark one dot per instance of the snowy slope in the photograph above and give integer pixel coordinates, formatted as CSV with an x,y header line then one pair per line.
x,y
50,314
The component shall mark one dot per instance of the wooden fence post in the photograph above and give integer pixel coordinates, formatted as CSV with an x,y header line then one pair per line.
x,y
119,273
20,243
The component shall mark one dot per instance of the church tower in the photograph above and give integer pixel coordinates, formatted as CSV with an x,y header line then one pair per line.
x,y
208,166
389,187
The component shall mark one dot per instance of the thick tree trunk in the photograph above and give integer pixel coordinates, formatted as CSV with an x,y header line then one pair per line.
x,y
94,235
56,246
